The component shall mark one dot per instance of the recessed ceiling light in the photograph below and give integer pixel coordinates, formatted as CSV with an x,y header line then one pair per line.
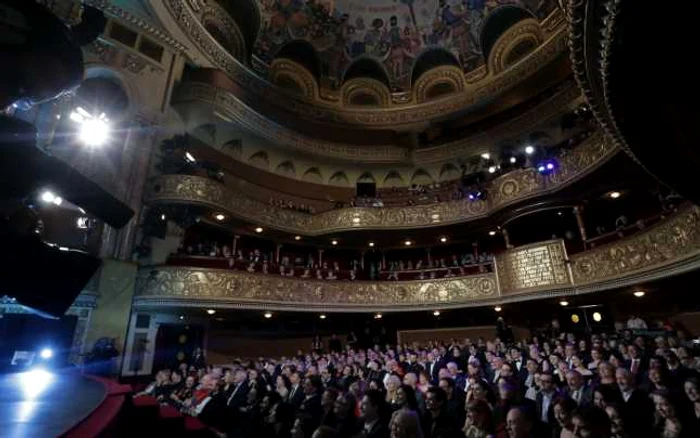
x,y
486,156
436,313
529,150
492,233
513,160
563,303
497,308
219,217
211,311
322,316
408,243
559,213
378,316
639,293
443,239
267,315
162,217
597,317
182,317
371,244
614,195
334,242
259,230
297,237
492,169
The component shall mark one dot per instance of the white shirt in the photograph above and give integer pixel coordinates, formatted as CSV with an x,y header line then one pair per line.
x,y
546,400
627,394
636,323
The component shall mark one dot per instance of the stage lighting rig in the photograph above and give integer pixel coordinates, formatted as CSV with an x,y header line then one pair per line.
x,y
93,130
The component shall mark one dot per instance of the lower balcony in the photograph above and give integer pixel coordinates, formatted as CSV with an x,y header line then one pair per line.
x,y
528,272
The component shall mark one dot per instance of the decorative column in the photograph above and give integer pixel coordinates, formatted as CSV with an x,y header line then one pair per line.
x,y
578,210
277,254
506,238
320,257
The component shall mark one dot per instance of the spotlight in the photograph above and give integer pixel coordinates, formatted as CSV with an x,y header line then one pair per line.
x,y
267,315
297,237
492,233
638,293
378,316
492,169
82,223
94,131
541,168
334,242
46,353
408,243
443,239
497,308
550,166
322,316
219,217
162,217
190,158
259,230
34,382
563,303
597,317
48,197
211,311
182,317
513,160
575,319
546,167
58,200
476,194
371,244
436,313
486,156
529,150
614,195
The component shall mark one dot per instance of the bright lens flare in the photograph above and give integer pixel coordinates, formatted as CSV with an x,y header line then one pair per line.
x,y
35,381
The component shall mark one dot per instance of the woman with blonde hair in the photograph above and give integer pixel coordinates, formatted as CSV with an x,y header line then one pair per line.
x,y
393,383
405,424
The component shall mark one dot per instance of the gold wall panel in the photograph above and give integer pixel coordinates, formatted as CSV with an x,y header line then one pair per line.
x,y
503,191
243,287
538,266
670,241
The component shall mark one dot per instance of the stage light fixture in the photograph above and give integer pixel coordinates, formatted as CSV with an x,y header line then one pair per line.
x,y
297,237
513,160
486,156
94,130
492,169
267,315
408,243
638,293
443,239
211,311
50,198
614,195
82,223
498,308
378,316
546,167
529,150
575,319
563,303
190,158
182,317
597,317
371,244
476,194
322,316
334,242
46,353
220,217
436,313
492,233
259,230
162,217
34,382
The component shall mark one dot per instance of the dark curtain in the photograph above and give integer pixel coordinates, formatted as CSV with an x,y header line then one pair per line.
x,y
28,332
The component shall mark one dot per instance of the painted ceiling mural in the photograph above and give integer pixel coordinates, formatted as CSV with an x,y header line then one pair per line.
x,y
392,32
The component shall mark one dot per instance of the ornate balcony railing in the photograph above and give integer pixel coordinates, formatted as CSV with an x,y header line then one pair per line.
x,y
503,191
528,272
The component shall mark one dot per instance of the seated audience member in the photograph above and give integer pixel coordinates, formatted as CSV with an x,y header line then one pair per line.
x,y
325,432
346,421
636,404
405,424
605,395
154,388
372,411
436,421
617,422
327,404
310,409
691,388
455,402
562,410
182,393
478,422
521,422
591,422
577,389
667,416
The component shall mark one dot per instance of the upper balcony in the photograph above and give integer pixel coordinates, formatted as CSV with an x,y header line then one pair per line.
x,y
528,272
503,191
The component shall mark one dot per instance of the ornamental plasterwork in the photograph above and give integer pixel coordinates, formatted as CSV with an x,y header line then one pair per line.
x,y
254,89
447,74
227,286
503,191
672,240
526,30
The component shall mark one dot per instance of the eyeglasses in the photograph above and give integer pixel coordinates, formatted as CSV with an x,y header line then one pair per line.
x,y
545,381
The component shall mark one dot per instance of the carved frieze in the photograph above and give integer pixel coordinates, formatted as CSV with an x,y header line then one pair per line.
x,y
539,266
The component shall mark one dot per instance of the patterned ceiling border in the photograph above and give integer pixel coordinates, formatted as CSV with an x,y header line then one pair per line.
x,y
255,89
506,190
670,248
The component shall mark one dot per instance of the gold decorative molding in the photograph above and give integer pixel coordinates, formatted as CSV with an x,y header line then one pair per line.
x,y
372,88
253,89
539,270
672,240
238,288
503,191
538,266
448,75
524,32
283,69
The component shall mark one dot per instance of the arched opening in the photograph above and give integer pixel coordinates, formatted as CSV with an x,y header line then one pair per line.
x,y
499,21
367,68
286,168
422,177
339,178
366,177
313,174
260,159
449,172
393,179
303,53
247,17
430,59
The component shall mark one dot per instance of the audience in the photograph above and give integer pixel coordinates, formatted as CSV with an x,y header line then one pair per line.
x,y
496,389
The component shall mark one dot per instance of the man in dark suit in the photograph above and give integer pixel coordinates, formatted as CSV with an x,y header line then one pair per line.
x,y
412,366
371,406
296,392
437,422
638,406
578,390
236,403
455,402
433,366
544,401
636,364
310,410
526,375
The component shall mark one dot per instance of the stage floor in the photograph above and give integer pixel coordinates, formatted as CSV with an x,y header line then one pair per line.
x,y
45,403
